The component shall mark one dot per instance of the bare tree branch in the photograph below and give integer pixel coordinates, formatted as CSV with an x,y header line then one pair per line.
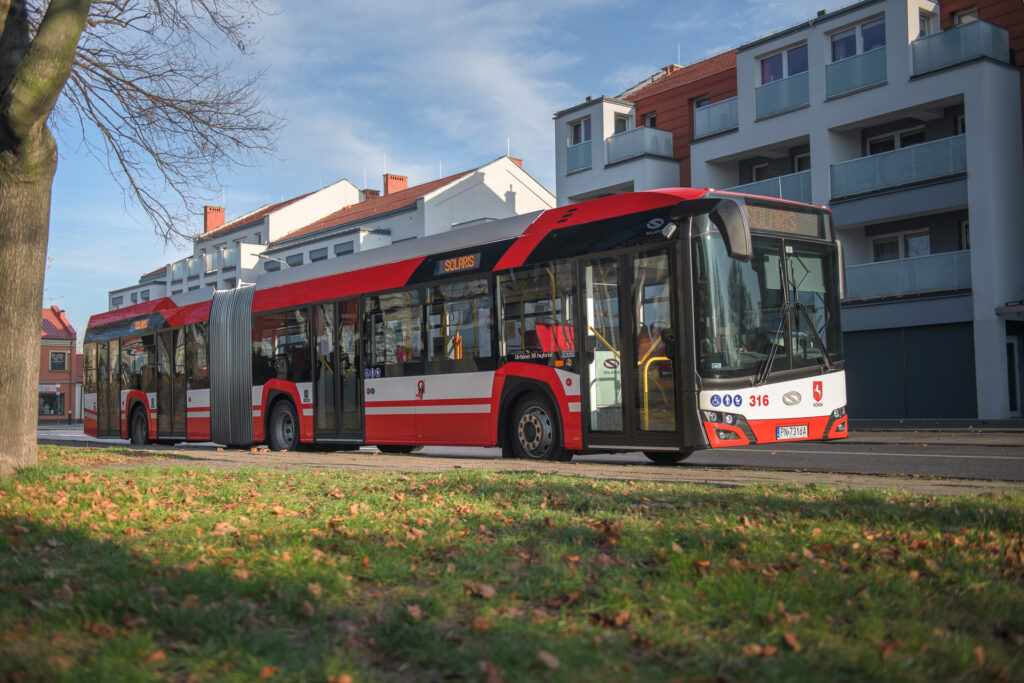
x,y
149,78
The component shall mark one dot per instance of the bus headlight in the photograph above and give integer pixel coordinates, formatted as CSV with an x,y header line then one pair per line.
x,y
711,416
838,412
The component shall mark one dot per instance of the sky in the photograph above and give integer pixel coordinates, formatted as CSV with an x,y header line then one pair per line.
x,y
421,89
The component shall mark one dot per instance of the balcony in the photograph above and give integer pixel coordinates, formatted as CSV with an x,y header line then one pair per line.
x,y
855,73
794,187
936,159
944,272
716,118
783,95
178,269
637,142
195,267
229,257
211,262
577,157
960,44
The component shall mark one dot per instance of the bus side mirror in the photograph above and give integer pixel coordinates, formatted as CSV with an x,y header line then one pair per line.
x,y
731,220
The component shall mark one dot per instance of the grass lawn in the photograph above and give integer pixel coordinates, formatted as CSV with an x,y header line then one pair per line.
x,y
193,574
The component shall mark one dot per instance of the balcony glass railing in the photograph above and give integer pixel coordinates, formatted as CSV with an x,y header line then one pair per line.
x,y
716,118
960,44
784,94
229,257
919,275
848,75
178,269
638,141
211,262
577,157
795,187
935,159
195,266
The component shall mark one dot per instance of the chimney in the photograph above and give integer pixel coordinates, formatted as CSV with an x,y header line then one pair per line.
x,y
214,218
394,183
517,162
370,194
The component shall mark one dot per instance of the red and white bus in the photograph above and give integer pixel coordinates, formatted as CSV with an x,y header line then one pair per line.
x,y
662,322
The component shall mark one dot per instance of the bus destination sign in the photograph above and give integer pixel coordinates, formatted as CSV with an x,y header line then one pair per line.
x,y
784,220
457,264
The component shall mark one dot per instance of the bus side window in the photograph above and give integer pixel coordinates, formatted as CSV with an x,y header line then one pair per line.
x,y
394,328
459,320
197,358
280,347
536,305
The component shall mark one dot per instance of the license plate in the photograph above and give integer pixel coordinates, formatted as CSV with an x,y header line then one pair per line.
x,y
791,432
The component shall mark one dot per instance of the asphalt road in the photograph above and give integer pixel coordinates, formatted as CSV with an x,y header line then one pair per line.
x,y
945,455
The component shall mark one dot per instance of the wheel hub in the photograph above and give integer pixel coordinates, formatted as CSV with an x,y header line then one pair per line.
x,y
534,431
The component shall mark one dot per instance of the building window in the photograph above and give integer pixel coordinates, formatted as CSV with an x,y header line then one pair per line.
x,y
259,238
701,102
784,64
902,245
176,291
230,283
651,120
760,172
343,248
801,162
579,131
135,297
318,255
293,260
144,295
271,266
965,235
58,361
961,125
193,288
965,16
897,140
621,123
857,40
51,404
924,23
116,301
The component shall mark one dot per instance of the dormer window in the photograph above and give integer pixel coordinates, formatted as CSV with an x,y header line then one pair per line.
x,y
621,123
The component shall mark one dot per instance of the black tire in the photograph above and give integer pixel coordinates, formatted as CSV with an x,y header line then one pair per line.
x,y
534,432
668,457
283,432
398,450
138,427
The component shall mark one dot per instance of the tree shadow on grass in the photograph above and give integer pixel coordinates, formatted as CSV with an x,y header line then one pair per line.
x,y
570,579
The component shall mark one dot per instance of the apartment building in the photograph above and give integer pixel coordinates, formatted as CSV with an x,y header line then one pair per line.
x,y
335,221
904,117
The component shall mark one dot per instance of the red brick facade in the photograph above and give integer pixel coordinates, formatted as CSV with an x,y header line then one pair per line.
x,y
57,368
671,98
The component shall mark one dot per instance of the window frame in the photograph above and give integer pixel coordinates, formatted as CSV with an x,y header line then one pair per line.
x,y
964,235
294,260
583,125
319,254
625,119
63,361
340,248
965,16
796,162
900,238
786,70
754,168
858,31
651,119
897,137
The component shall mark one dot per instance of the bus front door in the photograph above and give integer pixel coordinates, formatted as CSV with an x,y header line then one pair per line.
x,y
338,402
630,359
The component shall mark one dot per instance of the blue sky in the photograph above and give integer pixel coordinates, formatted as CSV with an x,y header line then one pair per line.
x,y
409,87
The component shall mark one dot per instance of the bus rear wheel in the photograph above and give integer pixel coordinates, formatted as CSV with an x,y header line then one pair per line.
x,y
138,431
668,457
535,434
284,427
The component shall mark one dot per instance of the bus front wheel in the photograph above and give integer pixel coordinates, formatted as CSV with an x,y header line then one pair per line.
x,y
284,427
535,434
139,427
668,457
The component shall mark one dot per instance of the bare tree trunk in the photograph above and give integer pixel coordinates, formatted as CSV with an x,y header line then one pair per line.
x,y
26,178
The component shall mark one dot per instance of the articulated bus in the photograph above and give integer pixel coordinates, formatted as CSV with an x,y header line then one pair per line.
x,y
662,322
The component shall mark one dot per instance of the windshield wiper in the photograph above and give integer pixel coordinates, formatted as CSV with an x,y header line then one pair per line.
x,y
826,359
766,364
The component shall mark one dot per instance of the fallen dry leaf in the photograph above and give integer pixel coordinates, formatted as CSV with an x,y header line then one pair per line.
x,y
481,590
676,548
268,671
224,528
315,589
791,641
157,656
243,574
752,650
979,655
481,624
490,671
548,659
339,678
307,610
414,611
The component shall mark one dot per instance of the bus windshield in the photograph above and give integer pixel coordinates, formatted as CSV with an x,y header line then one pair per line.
x,y
779,311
